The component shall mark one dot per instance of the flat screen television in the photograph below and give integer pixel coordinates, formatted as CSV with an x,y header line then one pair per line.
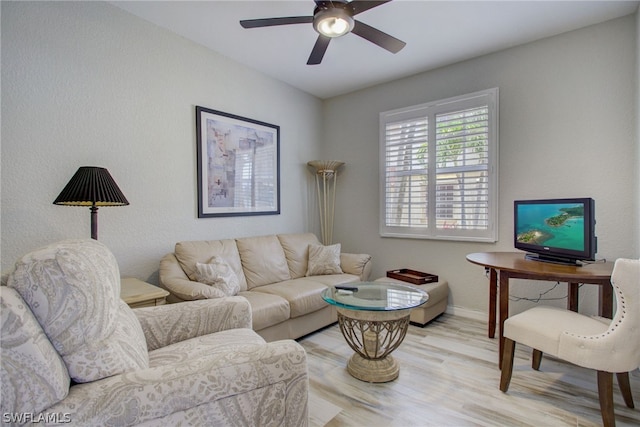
x,y
556,230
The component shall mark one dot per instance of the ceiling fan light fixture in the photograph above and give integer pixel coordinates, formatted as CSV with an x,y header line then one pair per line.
x,y
331,19
333,22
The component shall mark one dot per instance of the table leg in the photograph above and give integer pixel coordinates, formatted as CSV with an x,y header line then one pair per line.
x,y
572,300
493,296
605,300
504,311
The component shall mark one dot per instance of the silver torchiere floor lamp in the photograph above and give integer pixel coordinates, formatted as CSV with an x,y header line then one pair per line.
x,y
326,181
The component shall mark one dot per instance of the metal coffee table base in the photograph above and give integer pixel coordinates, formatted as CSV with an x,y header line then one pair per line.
x,y
373,335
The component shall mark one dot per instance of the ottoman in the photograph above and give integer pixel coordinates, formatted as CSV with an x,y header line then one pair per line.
x,y
436,305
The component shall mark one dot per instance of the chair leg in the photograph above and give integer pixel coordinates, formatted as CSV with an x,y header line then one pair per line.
x,y
507,364
605,392
536,358
625,388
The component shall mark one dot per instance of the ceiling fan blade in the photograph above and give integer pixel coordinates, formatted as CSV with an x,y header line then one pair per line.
x,y
270,22
318,50
359,6
376,36
329,3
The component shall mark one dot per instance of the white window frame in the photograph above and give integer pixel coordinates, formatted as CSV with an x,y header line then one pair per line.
x,y
488,98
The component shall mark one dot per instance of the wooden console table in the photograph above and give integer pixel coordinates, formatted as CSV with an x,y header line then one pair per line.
x,y
513,265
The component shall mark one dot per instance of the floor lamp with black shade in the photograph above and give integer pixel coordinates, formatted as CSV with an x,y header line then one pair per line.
x,y
94,187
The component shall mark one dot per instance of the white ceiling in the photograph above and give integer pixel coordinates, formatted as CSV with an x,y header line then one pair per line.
x,y
437,33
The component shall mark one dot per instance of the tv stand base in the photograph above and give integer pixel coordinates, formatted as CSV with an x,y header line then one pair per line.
x,y
553,260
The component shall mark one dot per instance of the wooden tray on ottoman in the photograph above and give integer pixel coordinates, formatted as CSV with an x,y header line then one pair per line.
x,y
412,276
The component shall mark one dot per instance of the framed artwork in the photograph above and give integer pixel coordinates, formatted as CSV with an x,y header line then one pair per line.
x,y
238,165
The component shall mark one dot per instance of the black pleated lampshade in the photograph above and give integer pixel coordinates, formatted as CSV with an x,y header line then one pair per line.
x,y
91,186
94,187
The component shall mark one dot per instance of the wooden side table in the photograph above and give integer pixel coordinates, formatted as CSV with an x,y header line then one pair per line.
x,y
137,293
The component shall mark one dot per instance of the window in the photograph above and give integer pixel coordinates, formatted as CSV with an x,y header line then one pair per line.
x,y
439,170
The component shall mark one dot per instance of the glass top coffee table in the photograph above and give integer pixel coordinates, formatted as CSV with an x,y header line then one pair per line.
x,y
374,318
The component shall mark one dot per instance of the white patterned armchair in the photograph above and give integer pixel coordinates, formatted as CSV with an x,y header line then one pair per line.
x,y
72,351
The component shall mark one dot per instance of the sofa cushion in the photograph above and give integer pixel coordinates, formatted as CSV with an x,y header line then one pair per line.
x,y
296,250
324,260
335,279
263,260
73,289
266,309
304,295
219,275
191,252
33,376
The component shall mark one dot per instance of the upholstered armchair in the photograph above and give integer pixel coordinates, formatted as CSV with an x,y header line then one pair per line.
x,y
607,346
72,351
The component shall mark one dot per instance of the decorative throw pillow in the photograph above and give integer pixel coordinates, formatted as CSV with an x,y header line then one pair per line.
x,y
324,260
218,274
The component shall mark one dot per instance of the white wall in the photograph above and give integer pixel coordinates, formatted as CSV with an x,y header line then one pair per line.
x,y
87,84
567,129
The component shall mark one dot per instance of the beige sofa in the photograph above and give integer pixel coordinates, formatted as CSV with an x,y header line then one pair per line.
x,y
272,271
73,352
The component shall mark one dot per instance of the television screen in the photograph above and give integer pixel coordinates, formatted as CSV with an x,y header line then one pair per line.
x,y
556,228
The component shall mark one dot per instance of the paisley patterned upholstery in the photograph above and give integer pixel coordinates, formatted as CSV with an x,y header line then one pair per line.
x,y
167,324
33,375
73,288
251,384
205,366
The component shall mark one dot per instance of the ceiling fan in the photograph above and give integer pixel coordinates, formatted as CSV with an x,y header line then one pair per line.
x,y
334,18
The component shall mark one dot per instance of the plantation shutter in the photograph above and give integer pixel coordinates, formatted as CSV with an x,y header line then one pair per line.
x,y
406,160
462,155
439,169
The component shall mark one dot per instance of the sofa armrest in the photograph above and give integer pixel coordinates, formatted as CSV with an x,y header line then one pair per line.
x,y
358,264
200,390
167,324
175,280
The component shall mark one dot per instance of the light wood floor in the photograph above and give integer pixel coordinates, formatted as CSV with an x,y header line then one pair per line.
x,y
449,377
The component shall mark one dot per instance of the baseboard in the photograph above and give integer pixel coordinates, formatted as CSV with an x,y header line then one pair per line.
x,y
465,312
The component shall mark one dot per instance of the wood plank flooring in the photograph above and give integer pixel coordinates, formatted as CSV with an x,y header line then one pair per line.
x,y
449,376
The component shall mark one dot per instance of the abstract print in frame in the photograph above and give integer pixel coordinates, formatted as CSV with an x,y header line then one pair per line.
x,y
238,165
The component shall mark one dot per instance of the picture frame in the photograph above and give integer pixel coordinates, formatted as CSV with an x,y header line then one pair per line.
x,y
238,165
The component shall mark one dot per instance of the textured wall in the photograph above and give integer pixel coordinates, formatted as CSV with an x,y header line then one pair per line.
x,y
567,129
87,84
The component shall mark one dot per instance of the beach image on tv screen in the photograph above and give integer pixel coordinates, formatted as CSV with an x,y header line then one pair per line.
x,y
554,225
